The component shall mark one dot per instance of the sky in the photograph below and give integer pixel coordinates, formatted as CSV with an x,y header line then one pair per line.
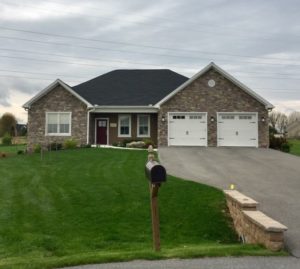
x,y
258,42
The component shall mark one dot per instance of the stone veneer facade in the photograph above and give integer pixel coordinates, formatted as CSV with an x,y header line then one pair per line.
x,y
223,97
57,100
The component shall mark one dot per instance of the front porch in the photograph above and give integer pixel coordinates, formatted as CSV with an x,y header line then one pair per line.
x,y
113,128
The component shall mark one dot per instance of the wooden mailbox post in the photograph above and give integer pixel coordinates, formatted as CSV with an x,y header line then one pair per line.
x,y
156,174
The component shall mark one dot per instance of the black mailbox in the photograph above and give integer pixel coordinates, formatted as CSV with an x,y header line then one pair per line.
x,y
155,172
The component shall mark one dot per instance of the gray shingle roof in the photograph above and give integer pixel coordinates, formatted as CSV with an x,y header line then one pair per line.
x,y
130,87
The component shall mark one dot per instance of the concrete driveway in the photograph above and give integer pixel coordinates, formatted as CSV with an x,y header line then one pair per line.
x,y
268,176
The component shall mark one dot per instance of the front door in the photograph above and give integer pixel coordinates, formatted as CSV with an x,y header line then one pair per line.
x,y
101,132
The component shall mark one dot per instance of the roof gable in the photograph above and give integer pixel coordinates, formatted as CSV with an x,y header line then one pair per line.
x,y
52,86
226,75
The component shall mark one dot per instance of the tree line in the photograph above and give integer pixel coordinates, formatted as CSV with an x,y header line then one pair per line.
x,y
279,121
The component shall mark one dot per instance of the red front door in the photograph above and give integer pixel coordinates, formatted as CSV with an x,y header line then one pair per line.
x,y
102,131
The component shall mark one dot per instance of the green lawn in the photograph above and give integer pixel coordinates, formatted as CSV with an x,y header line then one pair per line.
x,y
13,149
92,205
295,149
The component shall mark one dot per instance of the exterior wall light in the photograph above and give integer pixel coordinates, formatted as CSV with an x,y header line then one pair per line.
x,y
163,119
212,119
263,119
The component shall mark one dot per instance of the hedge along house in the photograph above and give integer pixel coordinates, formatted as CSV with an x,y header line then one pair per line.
x,y
211,108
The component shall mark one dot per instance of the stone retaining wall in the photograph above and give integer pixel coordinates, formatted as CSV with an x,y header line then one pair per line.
x,y
252,225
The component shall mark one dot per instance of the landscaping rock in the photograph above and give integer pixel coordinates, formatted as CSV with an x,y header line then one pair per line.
x,y
136,144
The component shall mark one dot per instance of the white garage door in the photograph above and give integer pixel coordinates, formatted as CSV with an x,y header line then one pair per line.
x,y
237,129
187,129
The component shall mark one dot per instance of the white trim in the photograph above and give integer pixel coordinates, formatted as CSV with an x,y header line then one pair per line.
x,y
138,125
126,109
107,130
238,113
50,88
182,112
119,125
58,134
225,74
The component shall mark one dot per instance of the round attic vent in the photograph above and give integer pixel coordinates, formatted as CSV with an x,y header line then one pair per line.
x,y
211,83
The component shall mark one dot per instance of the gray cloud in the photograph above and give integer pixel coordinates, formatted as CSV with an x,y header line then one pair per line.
x,y
256,28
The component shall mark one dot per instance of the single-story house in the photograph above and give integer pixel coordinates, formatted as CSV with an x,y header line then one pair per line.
x,y
212,108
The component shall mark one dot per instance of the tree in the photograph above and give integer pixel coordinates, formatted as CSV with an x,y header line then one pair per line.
x,y
294,116
8,124
278,121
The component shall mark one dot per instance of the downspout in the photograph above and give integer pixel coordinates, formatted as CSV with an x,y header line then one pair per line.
x,y
88,125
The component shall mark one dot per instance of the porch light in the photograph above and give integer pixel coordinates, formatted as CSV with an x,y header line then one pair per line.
x,y
212,119
163,119
263,119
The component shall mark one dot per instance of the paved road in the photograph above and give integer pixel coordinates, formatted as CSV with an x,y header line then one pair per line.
x,y
268,176
204,263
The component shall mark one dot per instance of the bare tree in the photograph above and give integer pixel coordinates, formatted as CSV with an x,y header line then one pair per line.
x,y
294,116
278,121
273,118
282,123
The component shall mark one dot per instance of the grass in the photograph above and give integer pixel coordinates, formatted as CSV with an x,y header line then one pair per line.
x,y
13,149
92,205
295,149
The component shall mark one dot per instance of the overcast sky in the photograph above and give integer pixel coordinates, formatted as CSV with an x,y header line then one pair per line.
x,y
256,41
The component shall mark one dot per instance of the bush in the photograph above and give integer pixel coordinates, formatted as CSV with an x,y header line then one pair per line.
x,y
37,148
124,142
20,152
148,142
70,144
2,154
285,147
6,140
54,146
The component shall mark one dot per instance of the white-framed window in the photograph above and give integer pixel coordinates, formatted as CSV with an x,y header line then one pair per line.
x,y
143,126
124,129
58,123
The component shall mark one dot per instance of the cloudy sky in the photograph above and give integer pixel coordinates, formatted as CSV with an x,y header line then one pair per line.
x,y
256,41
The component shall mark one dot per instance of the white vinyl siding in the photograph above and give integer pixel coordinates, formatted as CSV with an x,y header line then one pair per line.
x,y
124,126
143,126
58,123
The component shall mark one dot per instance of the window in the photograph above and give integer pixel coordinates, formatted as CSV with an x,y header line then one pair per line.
x,y
58,123
179,117
245,117
124,126
143,126
195,117
228,117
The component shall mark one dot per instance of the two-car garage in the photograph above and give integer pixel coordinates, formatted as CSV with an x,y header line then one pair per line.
x,y
233,129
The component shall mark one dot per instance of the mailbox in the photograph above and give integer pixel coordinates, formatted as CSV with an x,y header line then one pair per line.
x,y
155,172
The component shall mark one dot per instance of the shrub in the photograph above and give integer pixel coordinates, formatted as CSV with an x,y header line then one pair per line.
x,y
54,146
285,147
124,142
6,140
37,148
3,154
70,144
148,142
115,144
20,152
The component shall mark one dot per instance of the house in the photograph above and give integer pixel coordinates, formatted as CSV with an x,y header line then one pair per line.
x,y
293,129
212,108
